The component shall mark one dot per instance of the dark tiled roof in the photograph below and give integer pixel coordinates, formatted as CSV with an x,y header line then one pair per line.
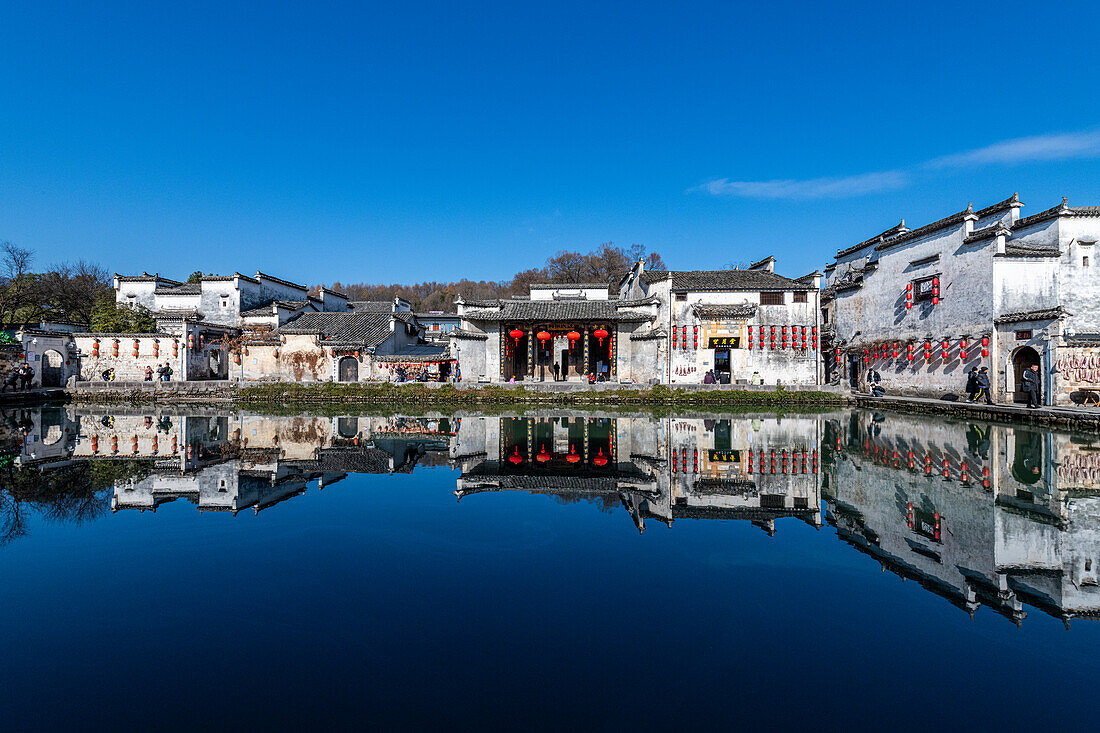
x,y
1009,203
145,278
569,286
724,280
267,310
989,231
1062,209
649,336
947,221
877,239
185,289
436,316
741,310
404,316
1013,249
464,334
1047,314
419,353
371,306
367,329
559,310
272,278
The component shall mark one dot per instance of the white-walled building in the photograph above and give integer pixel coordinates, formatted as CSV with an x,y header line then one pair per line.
x,y
977,288
733,322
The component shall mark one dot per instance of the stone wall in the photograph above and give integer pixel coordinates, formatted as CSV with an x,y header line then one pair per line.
x,y
99,352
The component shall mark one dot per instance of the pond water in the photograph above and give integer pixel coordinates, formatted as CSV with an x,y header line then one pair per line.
x,y
167,568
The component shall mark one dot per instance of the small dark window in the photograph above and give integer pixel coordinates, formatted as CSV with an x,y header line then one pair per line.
x,y
772,501
1084,261
801,296
681,297
771,299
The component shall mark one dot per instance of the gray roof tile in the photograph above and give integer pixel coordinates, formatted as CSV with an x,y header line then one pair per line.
x,y
366,329
724,280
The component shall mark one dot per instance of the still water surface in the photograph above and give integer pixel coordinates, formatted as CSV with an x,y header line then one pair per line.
x,y
176,569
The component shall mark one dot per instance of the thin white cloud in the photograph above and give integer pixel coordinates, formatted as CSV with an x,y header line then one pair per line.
x,y
1026,150
814,188
1021,150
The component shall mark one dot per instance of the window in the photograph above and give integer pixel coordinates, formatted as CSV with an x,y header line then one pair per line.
x,y
681,297
771,299
1085,261
801,296
922,289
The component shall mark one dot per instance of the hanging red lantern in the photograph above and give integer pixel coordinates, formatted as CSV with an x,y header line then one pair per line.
x,y
935,291
909,295
516,458
542,456
838,354
601,333
573,336
95,348
600,459
542,336
894,352
572,456
516,335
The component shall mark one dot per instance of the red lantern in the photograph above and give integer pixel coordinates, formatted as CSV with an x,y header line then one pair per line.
x,y
600,459
95,348
114,348
894,352
572,457
156,348
572,336
909,295
516,457
516,335
542,336
601,333
542,456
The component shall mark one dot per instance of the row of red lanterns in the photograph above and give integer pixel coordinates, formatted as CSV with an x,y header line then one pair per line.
x,y
156,347
884,351
886,456
573,336
572,457
799,336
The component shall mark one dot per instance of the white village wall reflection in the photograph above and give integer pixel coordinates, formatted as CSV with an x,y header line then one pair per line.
x,y
979,514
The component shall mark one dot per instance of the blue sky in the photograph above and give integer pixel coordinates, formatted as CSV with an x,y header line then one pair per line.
x,y
404,142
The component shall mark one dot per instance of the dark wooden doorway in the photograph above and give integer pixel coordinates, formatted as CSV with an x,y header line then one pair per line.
x,y
1022,360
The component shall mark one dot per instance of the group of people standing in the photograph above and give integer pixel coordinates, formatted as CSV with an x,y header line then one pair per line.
x,y
164,372
19,378
977,385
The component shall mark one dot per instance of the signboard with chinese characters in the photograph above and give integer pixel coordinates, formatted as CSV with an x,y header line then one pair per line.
x,y
724,342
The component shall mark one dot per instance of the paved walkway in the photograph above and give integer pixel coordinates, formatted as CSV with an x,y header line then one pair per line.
x,y
1069,416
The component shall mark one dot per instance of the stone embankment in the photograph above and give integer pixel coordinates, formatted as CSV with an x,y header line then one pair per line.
x,y
136,392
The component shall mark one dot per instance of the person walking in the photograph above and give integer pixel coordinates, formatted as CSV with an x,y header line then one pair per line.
x,y
708,378
1033,386
148,373
981,381
972,384
557,371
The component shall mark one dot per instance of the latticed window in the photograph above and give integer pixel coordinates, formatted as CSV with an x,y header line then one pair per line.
x,y
801,296
770,298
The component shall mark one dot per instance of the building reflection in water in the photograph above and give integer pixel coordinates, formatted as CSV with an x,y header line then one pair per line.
x,y
662,469
998,516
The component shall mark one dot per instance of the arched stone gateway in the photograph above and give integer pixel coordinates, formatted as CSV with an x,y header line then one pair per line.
x,y
1022,360
53,369
348,370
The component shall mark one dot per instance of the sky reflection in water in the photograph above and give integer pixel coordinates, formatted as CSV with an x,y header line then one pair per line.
x,y
570,568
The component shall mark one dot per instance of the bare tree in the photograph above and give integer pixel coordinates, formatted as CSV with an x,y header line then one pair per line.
x,y
18,285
